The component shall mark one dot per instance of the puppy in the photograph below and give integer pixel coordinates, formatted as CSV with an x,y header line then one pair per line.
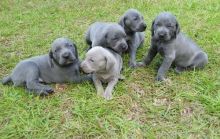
x,y
133,23
174,46
106,65
59,66
109,35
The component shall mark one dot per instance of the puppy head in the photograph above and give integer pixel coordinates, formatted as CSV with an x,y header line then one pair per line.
x,y
116,38
165,27
63,52
133,21
98,60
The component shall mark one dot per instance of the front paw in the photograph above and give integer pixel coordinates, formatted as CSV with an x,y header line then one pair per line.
x,y
107,96
46,91
141,64
160,78
132,64
100,92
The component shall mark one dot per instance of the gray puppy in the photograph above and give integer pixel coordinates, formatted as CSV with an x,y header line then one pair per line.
x,y
59,66
174,46
133,23
109,35
106,65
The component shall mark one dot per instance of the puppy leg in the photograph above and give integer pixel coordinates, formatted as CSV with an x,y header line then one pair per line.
x,y
98,86
178,69
108,91
164,67
77,78
83,78
39,89
132,52
32,80
200,60
6,80
148,58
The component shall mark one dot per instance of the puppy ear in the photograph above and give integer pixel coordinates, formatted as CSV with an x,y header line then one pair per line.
x,y
152,28
106,35
177,28
121,22
76,52
51,59
109,63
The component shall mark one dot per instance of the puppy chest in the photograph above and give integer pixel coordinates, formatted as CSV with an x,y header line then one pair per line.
x,y
105,78
161,50
165,49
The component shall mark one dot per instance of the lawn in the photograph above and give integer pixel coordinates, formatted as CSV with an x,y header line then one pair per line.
x,y
186,106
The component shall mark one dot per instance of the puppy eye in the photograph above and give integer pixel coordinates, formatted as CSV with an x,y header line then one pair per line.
x,y
169,26
158,24
136,18
56,50
115,39
91,60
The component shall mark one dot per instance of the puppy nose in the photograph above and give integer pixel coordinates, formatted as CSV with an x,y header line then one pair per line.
x,y
124,47
161,34
66,55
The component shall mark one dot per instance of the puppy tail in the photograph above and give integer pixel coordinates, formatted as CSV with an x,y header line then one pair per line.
x,y
6,80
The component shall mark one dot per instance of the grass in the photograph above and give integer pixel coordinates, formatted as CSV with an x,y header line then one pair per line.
x,y
188,106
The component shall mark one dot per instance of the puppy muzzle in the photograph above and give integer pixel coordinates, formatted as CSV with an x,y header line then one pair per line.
x,y
122,47
142,27
162,34
85,68
68,58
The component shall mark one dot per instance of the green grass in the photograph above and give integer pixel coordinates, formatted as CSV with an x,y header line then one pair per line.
x,y
188,106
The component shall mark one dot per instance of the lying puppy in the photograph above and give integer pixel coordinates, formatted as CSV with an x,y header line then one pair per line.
x,y
133,23
109,35
174,46
106,65
59,66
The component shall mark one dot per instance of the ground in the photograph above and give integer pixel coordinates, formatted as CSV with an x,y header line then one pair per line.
x,y
185,106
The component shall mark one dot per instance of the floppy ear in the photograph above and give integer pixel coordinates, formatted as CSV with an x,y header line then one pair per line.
x,y
121,22
109,62
177,28
50,58
106,35
152,28
76,52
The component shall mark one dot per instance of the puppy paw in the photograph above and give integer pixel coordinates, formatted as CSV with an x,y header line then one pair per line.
x,y
160,78
100,92
46,91
132,65
178,70
121,77
141,64
107,96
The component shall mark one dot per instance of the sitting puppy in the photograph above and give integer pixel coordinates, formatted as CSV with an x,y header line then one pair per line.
x,y
59,66
174,46
109,35
106,65
133,23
